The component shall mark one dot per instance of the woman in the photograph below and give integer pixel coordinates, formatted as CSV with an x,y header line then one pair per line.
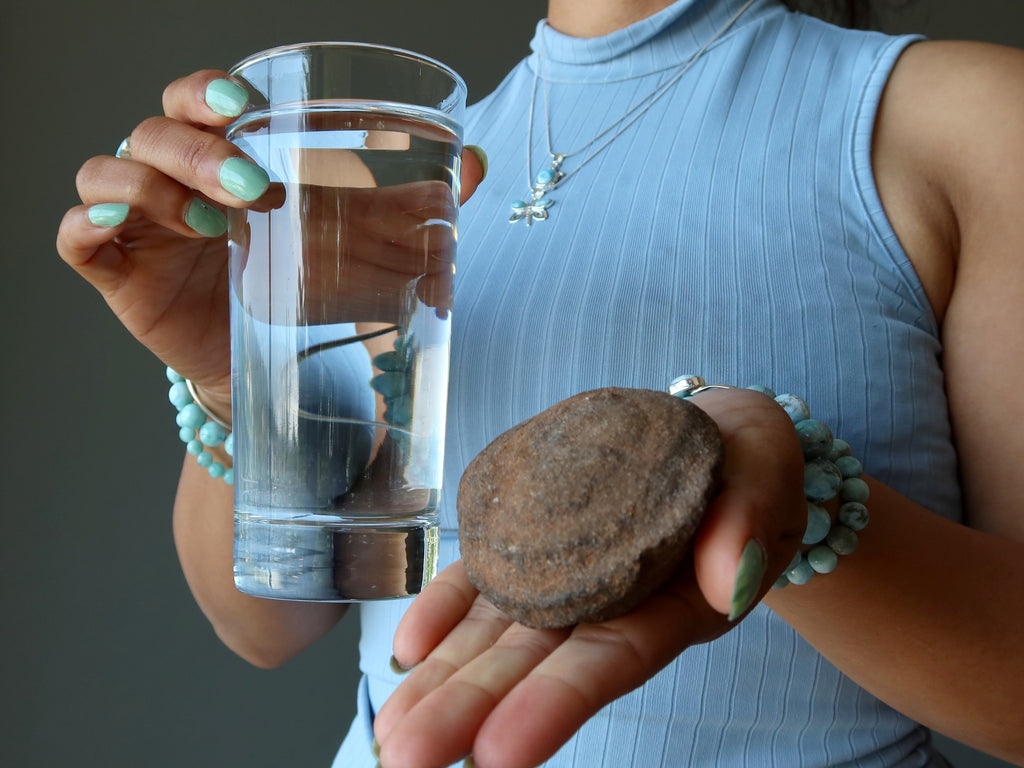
x,y
749,194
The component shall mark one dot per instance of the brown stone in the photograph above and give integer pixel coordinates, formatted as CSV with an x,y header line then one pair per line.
x,y
584,510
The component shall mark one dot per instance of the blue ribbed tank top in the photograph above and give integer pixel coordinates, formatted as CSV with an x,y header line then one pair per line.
x,y
733,231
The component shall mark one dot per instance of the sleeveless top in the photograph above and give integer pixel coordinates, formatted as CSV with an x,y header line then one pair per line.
x,y
733,231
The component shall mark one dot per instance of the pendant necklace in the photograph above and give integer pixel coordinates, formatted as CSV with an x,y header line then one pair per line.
x,y
536,204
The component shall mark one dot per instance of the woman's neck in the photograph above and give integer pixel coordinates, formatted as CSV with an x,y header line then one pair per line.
x,y
593,18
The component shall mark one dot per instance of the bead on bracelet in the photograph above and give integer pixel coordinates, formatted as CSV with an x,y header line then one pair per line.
x,y
199,428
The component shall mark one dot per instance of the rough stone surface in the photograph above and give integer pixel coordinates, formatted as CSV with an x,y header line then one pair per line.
x,y
582,511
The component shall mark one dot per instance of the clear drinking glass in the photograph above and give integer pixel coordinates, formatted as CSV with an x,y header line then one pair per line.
x,y
340,319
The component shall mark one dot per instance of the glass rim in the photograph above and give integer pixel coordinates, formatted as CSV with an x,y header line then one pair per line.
x,y
279,50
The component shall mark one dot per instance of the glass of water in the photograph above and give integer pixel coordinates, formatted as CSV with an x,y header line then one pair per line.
x,y
341,281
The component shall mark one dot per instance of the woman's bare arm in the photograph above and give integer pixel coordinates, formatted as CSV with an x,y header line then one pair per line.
x,y
929,614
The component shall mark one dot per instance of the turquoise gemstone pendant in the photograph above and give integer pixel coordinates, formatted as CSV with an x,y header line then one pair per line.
x,y
530,210
536,207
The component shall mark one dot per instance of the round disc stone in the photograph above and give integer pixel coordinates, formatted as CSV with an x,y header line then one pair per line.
x,y
581,512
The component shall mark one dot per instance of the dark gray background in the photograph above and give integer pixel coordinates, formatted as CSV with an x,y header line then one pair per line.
x,y
106,661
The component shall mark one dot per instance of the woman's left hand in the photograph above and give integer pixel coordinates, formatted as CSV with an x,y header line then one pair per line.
x,y
511,696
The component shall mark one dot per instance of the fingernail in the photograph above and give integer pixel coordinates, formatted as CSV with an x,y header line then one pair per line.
x,y
748,578
480,155
226,97
205,219
397,668
469,762
108,214
243,179
375,748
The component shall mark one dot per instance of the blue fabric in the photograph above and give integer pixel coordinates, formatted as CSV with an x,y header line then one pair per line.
x,y
734,231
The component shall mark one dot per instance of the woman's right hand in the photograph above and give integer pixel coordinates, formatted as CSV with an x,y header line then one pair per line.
x,y
163,268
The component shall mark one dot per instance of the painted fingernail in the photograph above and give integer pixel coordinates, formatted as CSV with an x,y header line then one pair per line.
x,y
243,179
375,748
469,762
748,578
108,214
480,155
397,668
226,97
205,219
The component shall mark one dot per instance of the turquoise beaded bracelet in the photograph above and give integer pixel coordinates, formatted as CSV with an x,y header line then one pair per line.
x,y
829,471
199,428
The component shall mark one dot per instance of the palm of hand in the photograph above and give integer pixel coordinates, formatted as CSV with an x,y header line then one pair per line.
x,y
512,696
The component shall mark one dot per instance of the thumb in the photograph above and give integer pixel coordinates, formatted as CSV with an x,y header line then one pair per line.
x,y
474,169
755,523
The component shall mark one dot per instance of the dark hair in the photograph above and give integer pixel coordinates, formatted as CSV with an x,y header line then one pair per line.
x,y
848,13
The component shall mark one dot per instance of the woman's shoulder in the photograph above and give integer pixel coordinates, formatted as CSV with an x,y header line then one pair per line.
x,y
960,86
948,153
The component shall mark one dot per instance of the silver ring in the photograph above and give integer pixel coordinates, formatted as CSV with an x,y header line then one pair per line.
x,y
688,386
124,151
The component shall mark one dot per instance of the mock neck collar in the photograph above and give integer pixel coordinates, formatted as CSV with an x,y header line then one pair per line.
x,y
659,42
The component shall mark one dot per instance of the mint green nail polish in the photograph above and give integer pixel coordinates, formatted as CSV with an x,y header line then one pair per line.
x,y
205,219
748,578
108,214
480,155
243,179
226,97
397,668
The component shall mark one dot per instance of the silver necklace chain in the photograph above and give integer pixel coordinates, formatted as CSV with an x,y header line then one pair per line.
x,y
535,207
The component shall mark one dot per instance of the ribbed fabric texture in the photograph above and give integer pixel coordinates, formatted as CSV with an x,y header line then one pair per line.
x,y
734,231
